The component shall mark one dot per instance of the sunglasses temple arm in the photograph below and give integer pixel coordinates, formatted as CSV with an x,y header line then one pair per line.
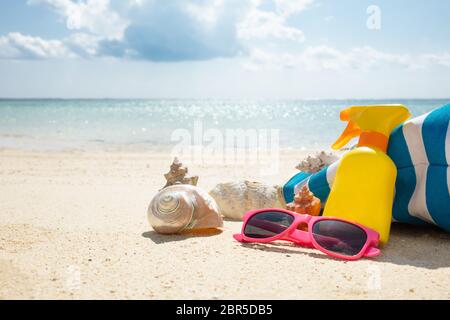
x,y
372,252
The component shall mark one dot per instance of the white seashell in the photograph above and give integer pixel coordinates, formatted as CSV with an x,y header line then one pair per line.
x,y
183,207
313,164
236,198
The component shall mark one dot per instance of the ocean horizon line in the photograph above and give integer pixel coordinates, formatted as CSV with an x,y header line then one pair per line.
x,y
78,122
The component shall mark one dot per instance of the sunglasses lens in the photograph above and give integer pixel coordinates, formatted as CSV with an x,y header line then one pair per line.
x,y
339,237
267,224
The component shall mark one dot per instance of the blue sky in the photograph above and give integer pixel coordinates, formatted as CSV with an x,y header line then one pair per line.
x,y
251,49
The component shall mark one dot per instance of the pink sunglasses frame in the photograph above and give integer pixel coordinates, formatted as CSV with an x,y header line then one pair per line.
x,y
305,238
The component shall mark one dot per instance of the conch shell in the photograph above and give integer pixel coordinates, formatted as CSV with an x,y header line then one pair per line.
x,y
236,198
305,203
180,208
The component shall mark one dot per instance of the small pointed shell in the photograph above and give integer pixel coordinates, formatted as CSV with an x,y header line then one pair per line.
x,y
236,198
183,207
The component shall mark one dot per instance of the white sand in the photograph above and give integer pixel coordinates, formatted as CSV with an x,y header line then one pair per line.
x,y
73,225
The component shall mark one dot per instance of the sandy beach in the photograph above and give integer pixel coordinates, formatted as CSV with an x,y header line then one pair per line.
x,y
98,98
73,226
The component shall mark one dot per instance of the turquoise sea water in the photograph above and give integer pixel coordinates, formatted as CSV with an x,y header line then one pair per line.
x,y
85,124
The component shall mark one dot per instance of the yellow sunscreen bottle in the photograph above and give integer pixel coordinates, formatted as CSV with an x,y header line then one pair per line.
x,y
363,189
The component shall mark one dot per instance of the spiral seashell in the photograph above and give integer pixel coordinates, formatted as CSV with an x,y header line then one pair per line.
x,y
236,198
183,207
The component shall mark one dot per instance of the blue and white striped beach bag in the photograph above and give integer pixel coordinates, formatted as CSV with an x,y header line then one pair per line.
x,y
420,148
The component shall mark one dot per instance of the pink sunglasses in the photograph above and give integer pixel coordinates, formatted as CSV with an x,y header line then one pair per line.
x,y
333,236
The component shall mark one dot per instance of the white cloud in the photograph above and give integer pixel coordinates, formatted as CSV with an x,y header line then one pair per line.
x,y
92,15
260,59
207,13
328,58
179,30
442,59
289,7
18,46
174,30
263,24
136,3
260,24
83,44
